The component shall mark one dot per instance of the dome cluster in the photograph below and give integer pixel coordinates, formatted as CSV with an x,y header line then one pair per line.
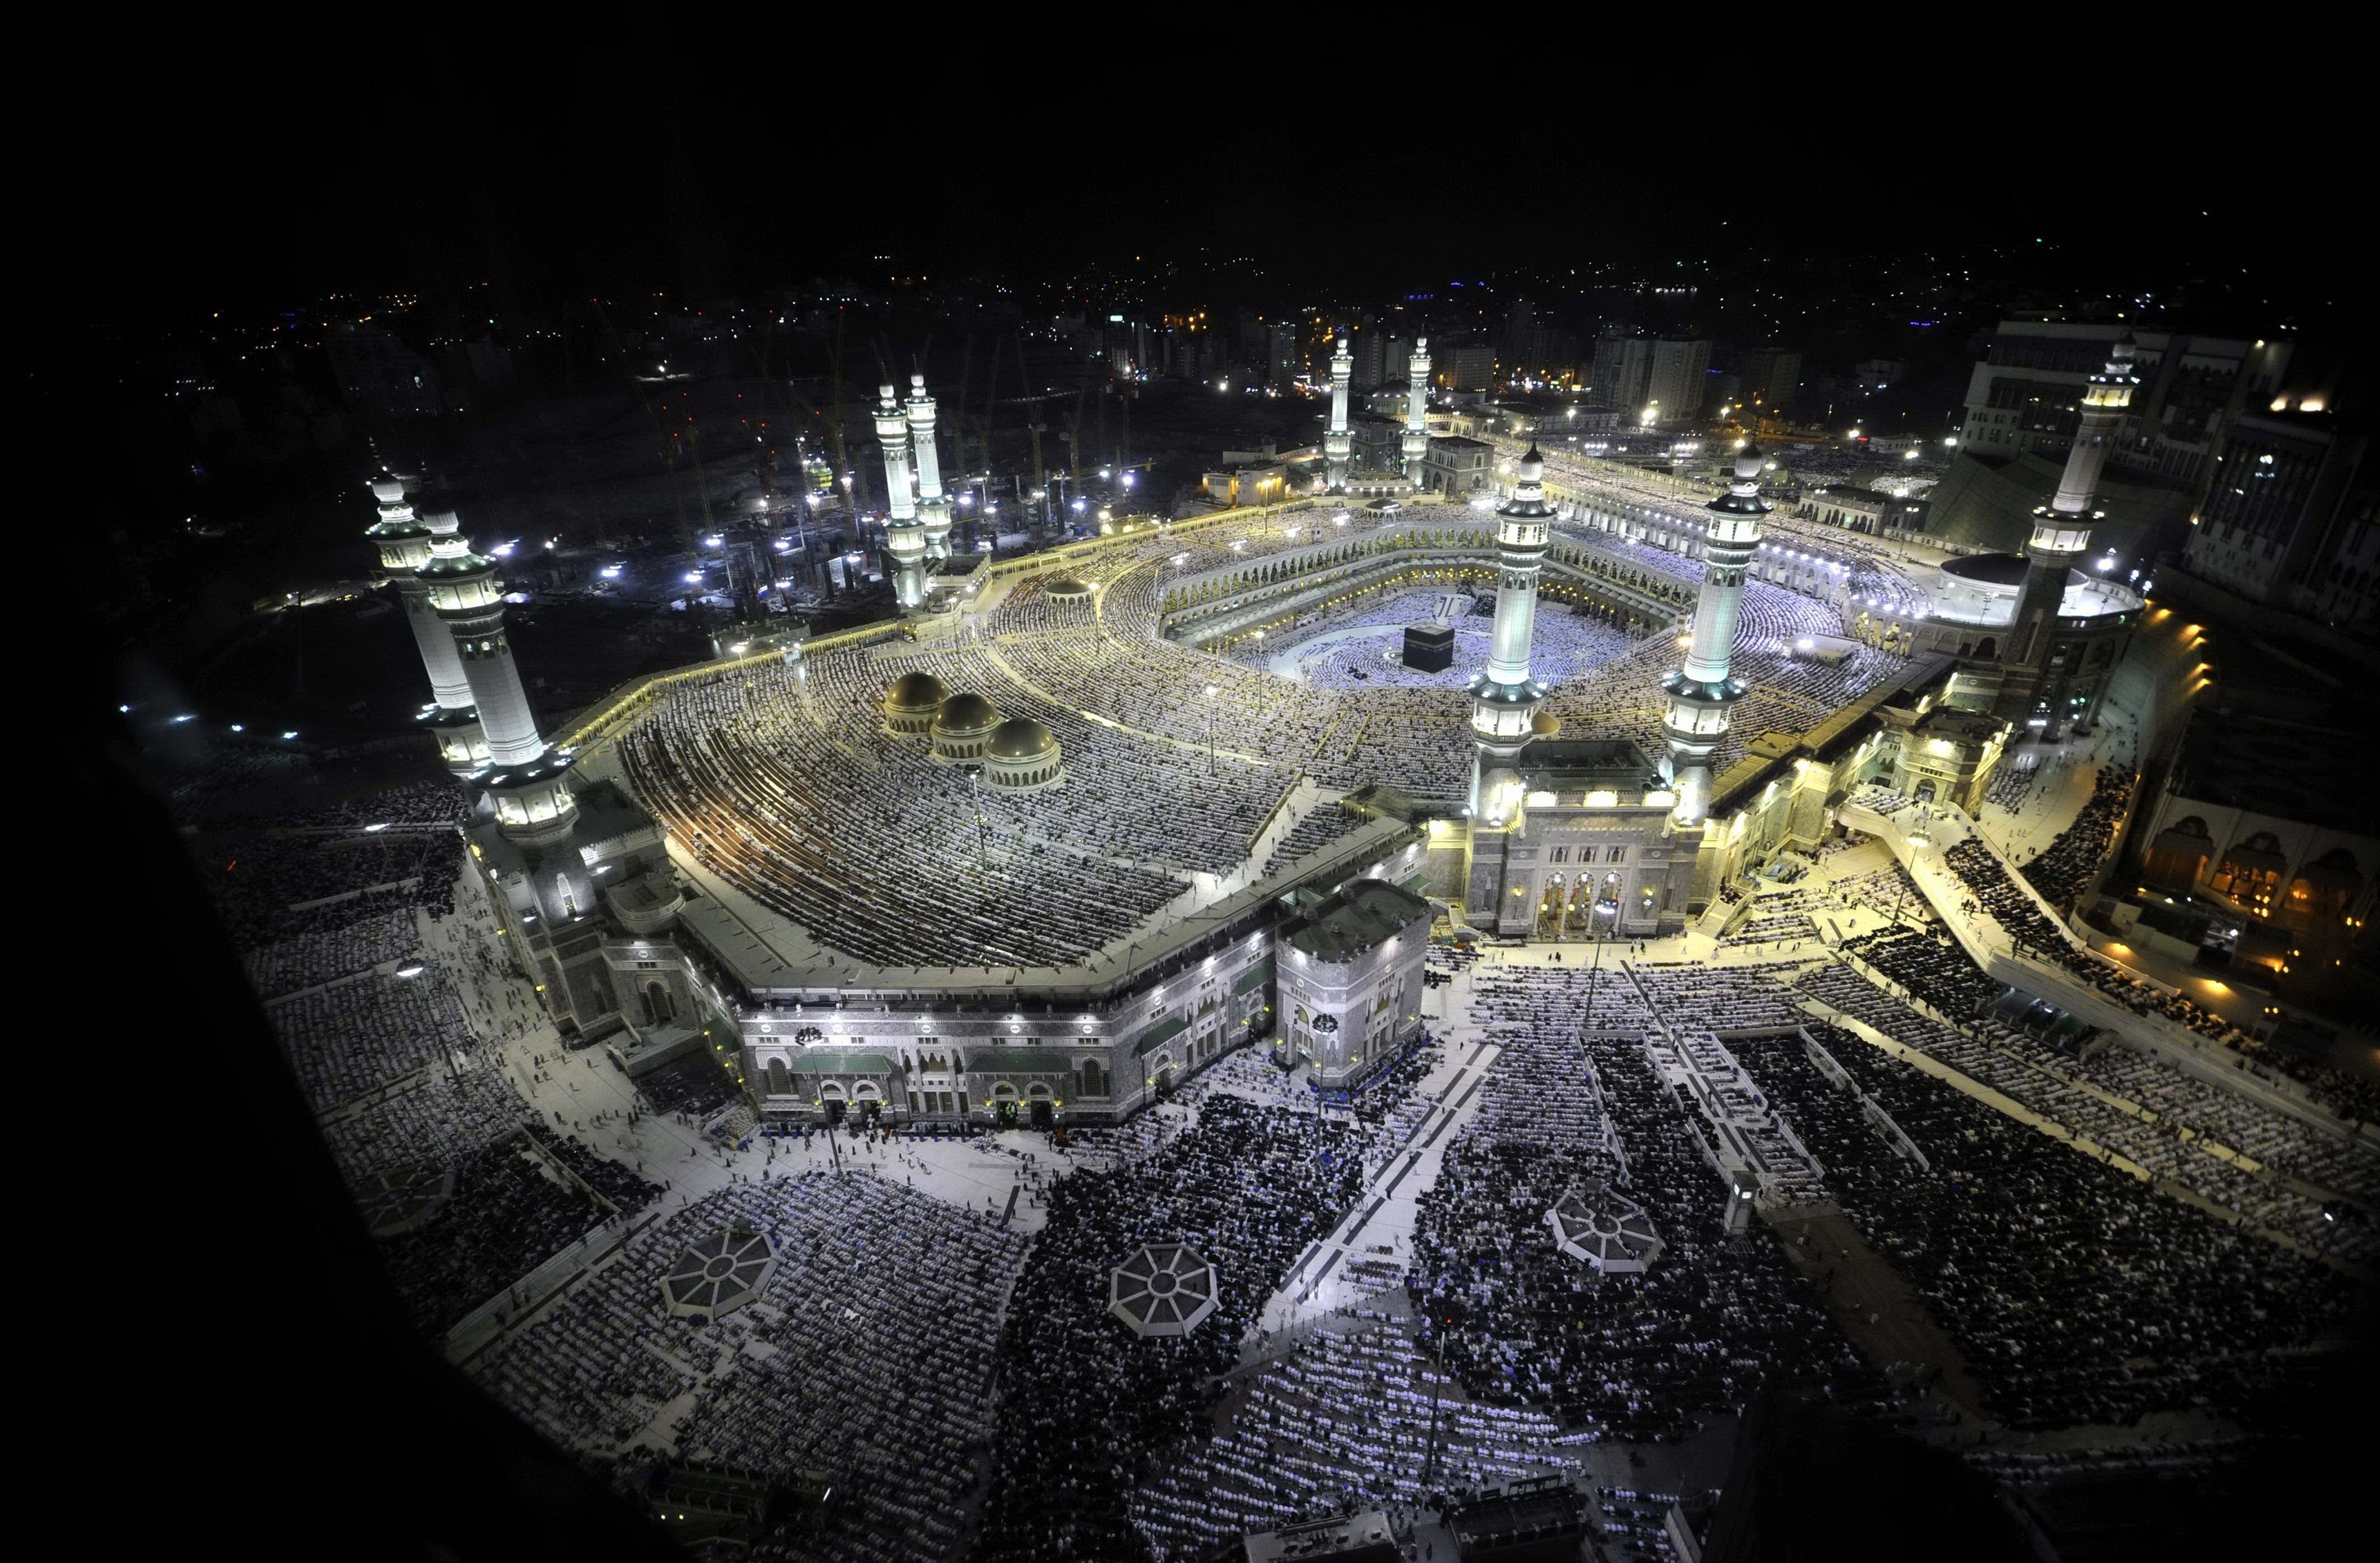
x,y
1017,755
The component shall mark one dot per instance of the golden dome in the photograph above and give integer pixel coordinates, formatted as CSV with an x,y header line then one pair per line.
x,y
1545,725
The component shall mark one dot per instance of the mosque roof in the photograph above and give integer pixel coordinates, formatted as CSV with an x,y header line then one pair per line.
x,y
916,691
965,711
1021,738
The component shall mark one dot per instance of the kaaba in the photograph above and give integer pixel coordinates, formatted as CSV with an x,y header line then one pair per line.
x,y
1429,647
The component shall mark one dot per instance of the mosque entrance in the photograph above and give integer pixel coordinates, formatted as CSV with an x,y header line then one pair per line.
x,y
1044,1117
834,1108
1003,1115
868,1110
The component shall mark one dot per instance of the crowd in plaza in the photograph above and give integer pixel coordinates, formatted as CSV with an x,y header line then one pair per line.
x,y
1994,893
862,1356
2075,1293
2068,865
1574,1097
1085,1405
2153,1114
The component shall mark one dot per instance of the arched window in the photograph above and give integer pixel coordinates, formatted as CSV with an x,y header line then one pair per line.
x,y
2178,854
780,1082
2250,871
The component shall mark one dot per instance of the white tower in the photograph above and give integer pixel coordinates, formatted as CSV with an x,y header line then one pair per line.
x,y
904,539
1701,695
2061,535
933,510
1417,435
527,782
406,542
1338,444
1504,700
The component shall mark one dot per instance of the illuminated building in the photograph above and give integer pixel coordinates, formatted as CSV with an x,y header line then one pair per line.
x,y
1337,444
406,543
1701,693
1415,443
2061,539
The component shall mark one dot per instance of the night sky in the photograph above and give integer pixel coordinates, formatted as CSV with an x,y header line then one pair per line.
x,y
628,162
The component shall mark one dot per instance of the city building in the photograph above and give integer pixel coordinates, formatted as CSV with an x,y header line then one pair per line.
x,y
2287,521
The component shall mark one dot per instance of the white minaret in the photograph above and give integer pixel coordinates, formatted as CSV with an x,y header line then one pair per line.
x,y
406,542
1504,700
1337,444
527,782
1416,434
933,510
904,539
1701,695
2061,534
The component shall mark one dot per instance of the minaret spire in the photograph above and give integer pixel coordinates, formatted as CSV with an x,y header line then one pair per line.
x,y
524,779
904,539
1337,444
1417,436
933,510
1504,700
1701,693
406,542
2061,535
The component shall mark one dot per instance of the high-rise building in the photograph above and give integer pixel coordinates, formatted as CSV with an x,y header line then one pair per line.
x,y
2289,518
1470,367
1680,374
1770,379
1621,375
2026,392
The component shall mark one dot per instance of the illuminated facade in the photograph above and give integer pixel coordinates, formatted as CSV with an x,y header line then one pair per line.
x,y
904,536
1701,693
406,542
1504,699
2061,540
1337,442
1415,443
933,507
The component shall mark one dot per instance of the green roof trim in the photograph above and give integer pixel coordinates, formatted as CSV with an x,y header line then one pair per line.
x,y
1020,1060
1157,1036
817,1062
1255,975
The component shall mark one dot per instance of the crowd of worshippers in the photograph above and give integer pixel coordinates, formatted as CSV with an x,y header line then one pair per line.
x,y
1354,1416
274,885
862,1356
1993,892
2068,865
785,780
1567,640
1087,1407
511,1208
1572,1098
2155,1115
2075,1293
